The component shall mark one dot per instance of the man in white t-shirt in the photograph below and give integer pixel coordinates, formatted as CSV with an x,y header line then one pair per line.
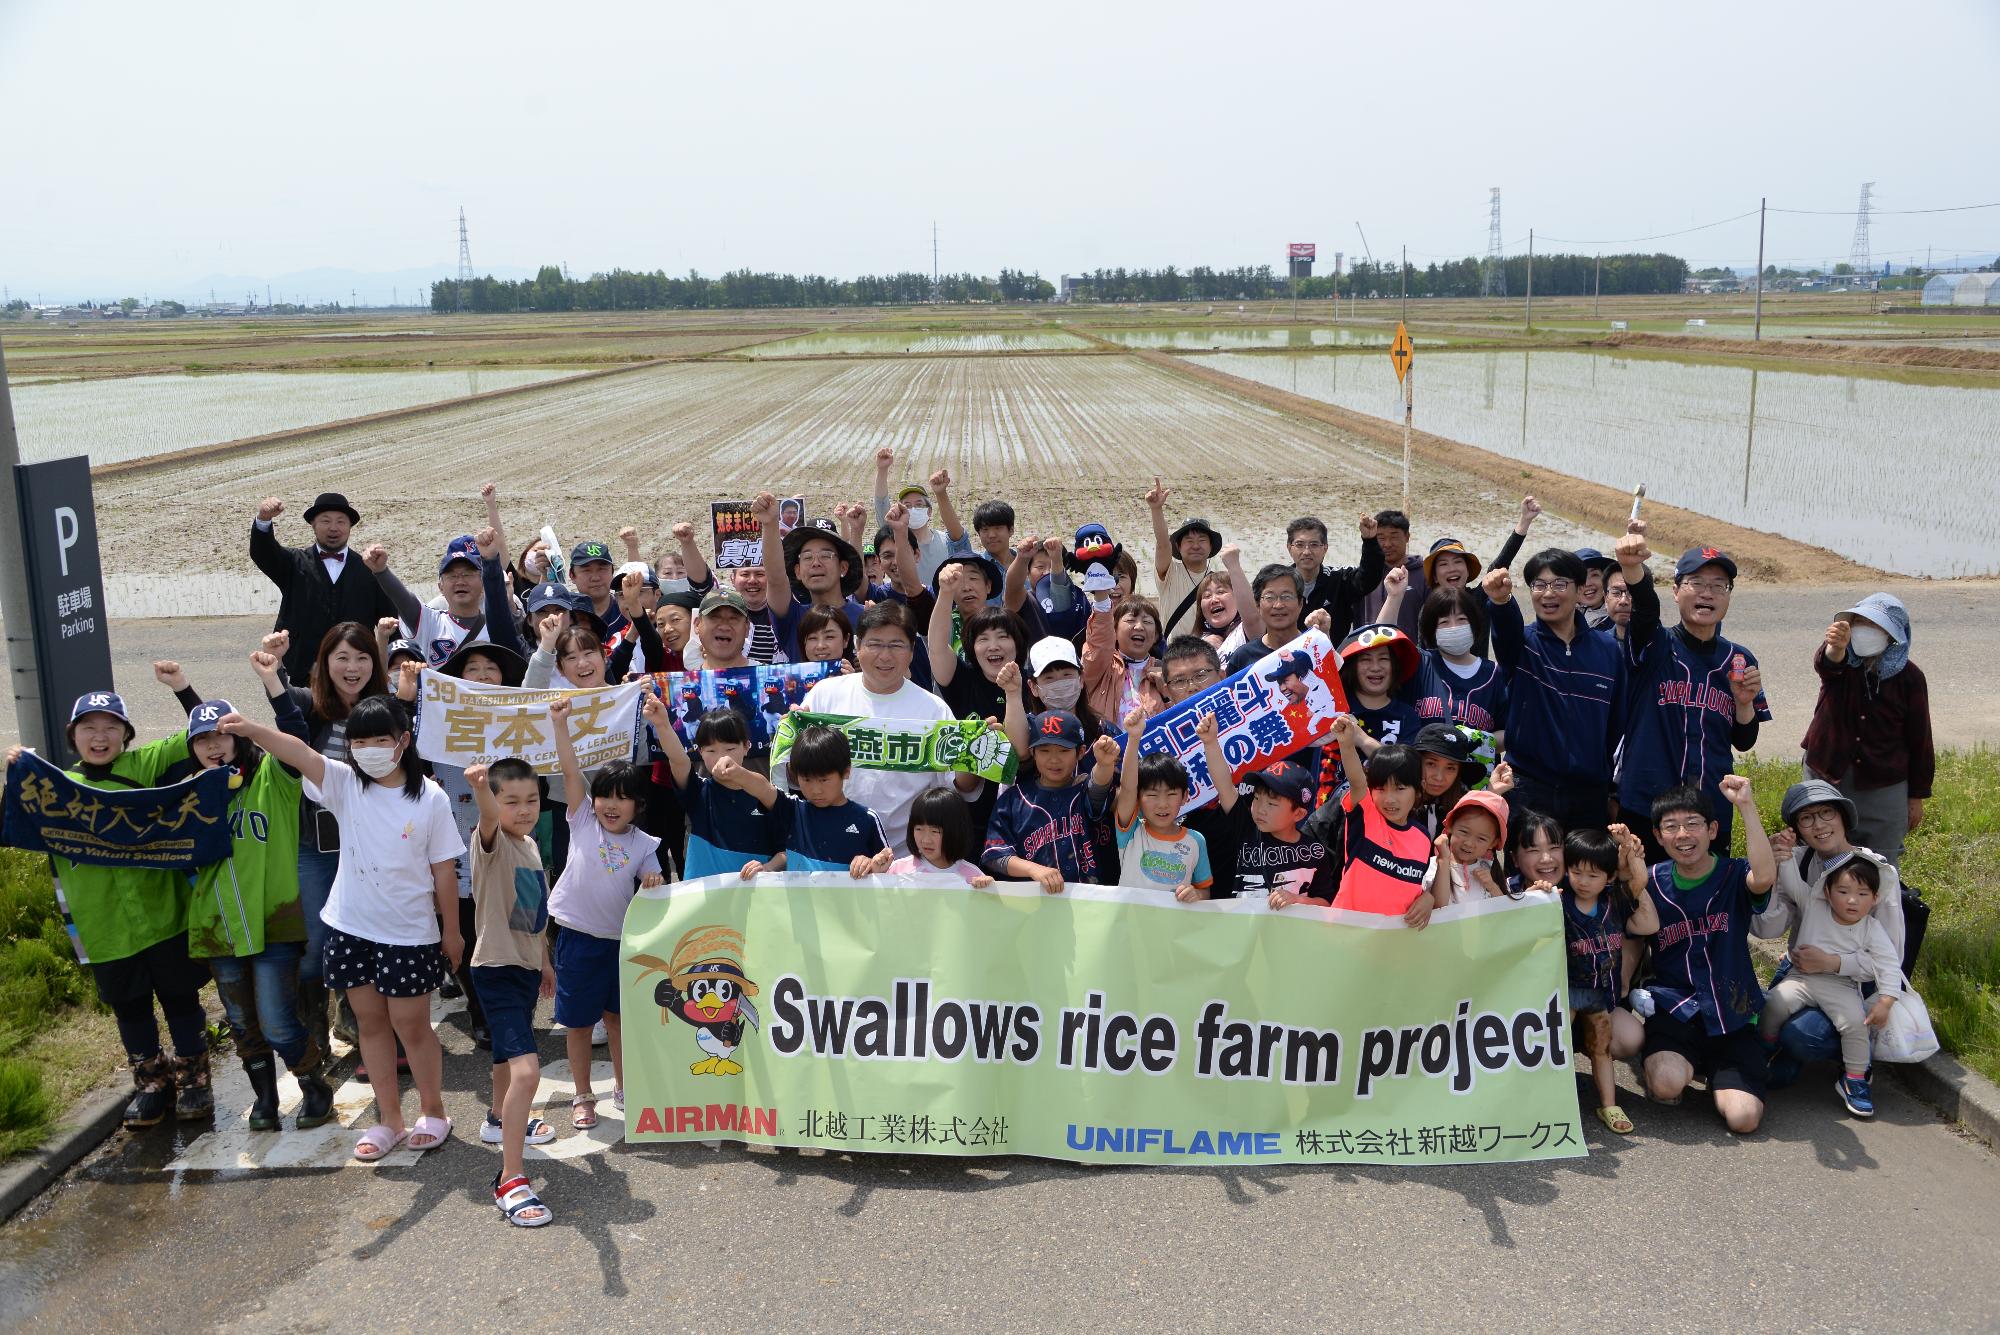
x,y
884,642
440,632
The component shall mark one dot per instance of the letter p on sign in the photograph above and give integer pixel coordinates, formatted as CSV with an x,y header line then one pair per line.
x,y
66,531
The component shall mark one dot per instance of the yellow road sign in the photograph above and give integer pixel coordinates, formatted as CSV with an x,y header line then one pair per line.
x,y
1401,351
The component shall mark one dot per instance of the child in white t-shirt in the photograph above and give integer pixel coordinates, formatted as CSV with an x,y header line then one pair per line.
x,y
396,887
1156,851
610,858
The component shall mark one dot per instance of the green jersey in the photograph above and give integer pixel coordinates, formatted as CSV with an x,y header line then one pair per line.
x,y
119,911
252,896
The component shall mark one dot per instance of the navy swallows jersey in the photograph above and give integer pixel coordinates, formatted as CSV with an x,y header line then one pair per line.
x,y
1564,700
1442,696
1701,956
1681,717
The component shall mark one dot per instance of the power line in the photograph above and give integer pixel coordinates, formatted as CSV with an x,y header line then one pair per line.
x,y
1955,208
1656,236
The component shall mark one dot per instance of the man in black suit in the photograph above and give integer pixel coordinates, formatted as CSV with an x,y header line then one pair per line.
x,y
321,585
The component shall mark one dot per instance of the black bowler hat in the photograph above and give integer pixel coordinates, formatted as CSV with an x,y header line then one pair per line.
x,y
333,500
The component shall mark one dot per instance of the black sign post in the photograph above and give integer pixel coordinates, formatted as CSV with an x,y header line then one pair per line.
x,y
66,610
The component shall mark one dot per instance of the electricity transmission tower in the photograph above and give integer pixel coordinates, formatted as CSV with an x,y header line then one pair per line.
x,y
464,261
1858,254
1494,281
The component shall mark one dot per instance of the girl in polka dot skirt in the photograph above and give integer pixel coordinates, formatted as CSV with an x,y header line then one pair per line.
x,y
392,915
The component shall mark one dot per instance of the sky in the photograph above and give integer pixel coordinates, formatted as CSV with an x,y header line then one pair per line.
x,y
158,149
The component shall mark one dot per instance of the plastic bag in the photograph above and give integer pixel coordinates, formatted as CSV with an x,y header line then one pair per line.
x,y
1908,1036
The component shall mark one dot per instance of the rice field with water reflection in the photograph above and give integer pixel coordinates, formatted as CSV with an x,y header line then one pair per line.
x,y
850,342
1253,336
1891,472
137,416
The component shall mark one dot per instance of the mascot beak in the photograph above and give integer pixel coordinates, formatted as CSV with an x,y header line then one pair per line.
x,y
710,1003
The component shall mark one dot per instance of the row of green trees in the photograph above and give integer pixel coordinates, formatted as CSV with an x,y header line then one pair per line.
x,y
624,289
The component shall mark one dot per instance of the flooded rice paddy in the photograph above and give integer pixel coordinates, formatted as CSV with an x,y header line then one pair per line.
x,y
1254,337
137,416
1892,472
851,342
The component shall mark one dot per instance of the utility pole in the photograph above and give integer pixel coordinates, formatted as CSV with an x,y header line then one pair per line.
x,y
1757,330
1596,284
14,589
934,262
1528,317
1403,283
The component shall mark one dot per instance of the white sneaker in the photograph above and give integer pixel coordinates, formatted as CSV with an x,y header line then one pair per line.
x,y
539,1132
598,1037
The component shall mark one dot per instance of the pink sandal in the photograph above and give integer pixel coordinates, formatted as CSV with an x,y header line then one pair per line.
x,y
377,1142
435,1130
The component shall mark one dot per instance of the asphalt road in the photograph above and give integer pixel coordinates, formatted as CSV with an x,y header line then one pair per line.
x,y
1817,1222
1957,634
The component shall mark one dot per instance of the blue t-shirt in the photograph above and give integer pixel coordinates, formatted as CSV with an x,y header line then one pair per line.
x,y
1441,695
726,828
1056,827
829,838
1701,956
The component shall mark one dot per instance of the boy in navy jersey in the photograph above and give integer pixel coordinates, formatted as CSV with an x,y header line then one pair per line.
x,y
1705,992
1696,695
1045,828
824,829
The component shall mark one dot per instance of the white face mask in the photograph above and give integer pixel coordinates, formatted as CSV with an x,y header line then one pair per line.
x,y
1454,639
1597,618
1867,641
375,761
919,516
1062,693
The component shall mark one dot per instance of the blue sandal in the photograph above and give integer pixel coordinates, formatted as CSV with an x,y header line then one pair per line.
x,y
516,1199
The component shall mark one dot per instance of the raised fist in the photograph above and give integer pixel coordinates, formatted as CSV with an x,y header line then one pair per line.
x,y
1632,550
1499,585
376,558
269,508
941,480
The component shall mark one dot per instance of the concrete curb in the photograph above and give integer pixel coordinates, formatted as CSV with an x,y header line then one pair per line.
x,y
1965,1097
94,1118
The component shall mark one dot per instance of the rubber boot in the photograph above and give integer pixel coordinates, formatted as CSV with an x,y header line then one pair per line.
x,y
316,1098
153,1080
197,1100
263,1073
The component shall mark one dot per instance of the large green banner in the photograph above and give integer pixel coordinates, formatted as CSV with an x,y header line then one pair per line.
x,y
1102,1025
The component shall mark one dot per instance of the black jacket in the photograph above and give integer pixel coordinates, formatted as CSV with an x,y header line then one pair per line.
x,y
310,604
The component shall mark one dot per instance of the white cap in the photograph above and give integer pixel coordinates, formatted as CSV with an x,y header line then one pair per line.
x,y
1049,651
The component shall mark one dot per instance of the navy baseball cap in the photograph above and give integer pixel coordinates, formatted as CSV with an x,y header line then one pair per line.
x,y
548,594
407,648
586,552
1595,560
460,548
1285,780
1297,663
1057,727
99,702
207,717
1694,558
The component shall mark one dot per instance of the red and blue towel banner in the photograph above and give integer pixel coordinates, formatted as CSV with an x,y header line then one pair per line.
x,y
176,828
1284,702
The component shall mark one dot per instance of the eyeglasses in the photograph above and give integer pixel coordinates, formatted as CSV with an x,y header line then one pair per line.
x,y
1553,585
885,646
1819,816
1272,596
1712,587
1683,826
1188,681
